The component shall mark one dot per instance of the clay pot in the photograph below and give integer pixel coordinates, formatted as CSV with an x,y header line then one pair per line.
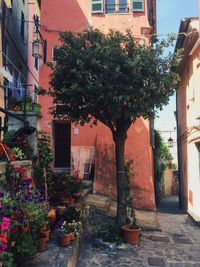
x,y
42,245
131,236
45,233
72,236
68,200
64,240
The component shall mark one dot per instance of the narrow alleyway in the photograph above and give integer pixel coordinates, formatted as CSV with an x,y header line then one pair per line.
x,y
177,244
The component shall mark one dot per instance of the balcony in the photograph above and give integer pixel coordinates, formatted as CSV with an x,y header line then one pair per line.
x,y
117,8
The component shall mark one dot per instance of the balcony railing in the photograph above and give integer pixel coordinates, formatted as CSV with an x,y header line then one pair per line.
x,y
117,8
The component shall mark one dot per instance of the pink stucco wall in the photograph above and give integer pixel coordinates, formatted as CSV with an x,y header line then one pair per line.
x,y
75,15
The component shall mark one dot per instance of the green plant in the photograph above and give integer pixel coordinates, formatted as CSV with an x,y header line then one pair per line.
x,y
107,231
72,214
27,99
42,169
8,135
6,259
19,154
130,220
24,245
65,228
35,214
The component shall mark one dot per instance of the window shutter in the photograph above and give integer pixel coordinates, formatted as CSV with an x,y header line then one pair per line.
x,y
97,6
138,5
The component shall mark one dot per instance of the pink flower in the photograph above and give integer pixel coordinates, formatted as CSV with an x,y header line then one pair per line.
x,y
3,248
5,223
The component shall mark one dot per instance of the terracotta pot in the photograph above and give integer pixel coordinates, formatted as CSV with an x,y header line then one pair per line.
x,y
11,154
42,245
72,236
131,236
68,200
60,210
64,240
45,233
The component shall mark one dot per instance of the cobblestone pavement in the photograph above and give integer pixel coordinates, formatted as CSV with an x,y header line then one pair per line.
x,y
176,245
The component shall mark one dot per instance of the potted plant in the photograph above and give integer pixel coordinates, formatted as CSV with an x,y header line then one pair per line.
x,y
36,107
26,103
64,233
131,231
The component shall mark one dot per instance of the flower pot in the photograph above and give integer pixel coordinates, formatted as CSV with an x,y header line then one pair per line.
x,y
27,106
45,233
60,210
36,107
42,245
72,236
68,200
131,236
11,154
64,240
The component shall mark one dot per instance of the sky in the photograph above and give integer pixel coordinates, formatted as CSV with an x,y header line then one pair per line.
x,y
169,15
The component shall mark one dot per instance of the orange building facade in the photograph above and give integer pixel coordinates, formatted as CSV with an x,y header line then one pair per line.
x,y
91,150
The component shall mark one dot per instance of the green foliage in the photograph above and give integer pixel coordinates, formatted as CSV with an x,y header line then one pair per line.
x,y
162,156
42,169
72,214
111,78
6,258
8,135
107,231
19,155
24,246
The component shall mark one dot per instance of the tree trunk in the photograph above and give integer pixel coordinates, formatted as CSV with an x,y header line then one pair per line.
x,y
119,139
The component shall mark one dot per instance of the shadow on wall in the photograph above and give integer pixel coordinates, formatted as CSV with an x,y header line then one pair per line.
x,y
105,181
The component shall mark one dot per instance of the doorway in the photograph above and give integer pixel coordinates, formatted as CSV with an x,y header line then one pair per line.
x,y
62,145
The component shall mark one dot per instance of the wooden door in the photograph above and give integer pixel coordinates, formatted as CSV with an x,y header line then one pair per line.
x,y
62,141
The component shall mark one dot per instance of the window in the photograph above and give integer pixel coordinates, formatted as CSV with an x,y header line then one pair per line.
x,y
137,5
35,97
36,63
97,6
55,53
22,24
116,6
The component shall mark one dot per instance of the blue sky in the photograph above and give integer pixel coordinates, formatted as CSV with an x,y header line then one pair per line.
x,y
169,15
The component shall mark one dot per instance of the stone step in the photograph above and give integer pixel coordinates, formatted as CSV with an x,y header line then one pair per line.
x,y
58,256
100,202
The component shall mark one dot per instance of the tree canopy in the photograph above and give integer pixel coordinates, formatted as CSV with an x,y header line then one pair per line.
x,y
111,78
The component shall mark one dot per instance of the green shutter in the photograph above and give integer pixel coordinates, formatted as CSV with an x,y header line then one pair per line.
x,y
97,6
138,5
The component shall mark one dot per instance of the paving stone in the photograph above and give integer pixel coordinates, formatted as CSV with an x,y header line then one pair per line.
x,y
160,238
182,240
155,261
176,264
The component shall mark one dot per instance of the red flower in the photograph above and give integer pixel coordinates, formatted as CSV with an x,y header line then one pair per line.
x,y
3,238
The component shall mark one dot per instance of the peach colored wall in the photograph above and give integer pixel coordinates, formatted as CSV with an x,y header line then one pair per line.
x,y
75,15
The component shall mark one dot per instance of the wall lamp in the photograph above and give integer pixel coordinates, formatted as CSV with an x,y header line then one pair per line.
x,y
39,45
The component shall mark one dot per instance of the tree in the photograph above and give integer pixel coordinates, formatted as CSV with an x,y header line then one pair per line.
x,y
112,79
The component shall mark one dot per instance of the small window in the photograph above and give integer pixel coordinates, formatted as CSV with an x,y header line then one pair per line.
x,y
35,97
97,6
138,5
55,53
22,24
36,63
